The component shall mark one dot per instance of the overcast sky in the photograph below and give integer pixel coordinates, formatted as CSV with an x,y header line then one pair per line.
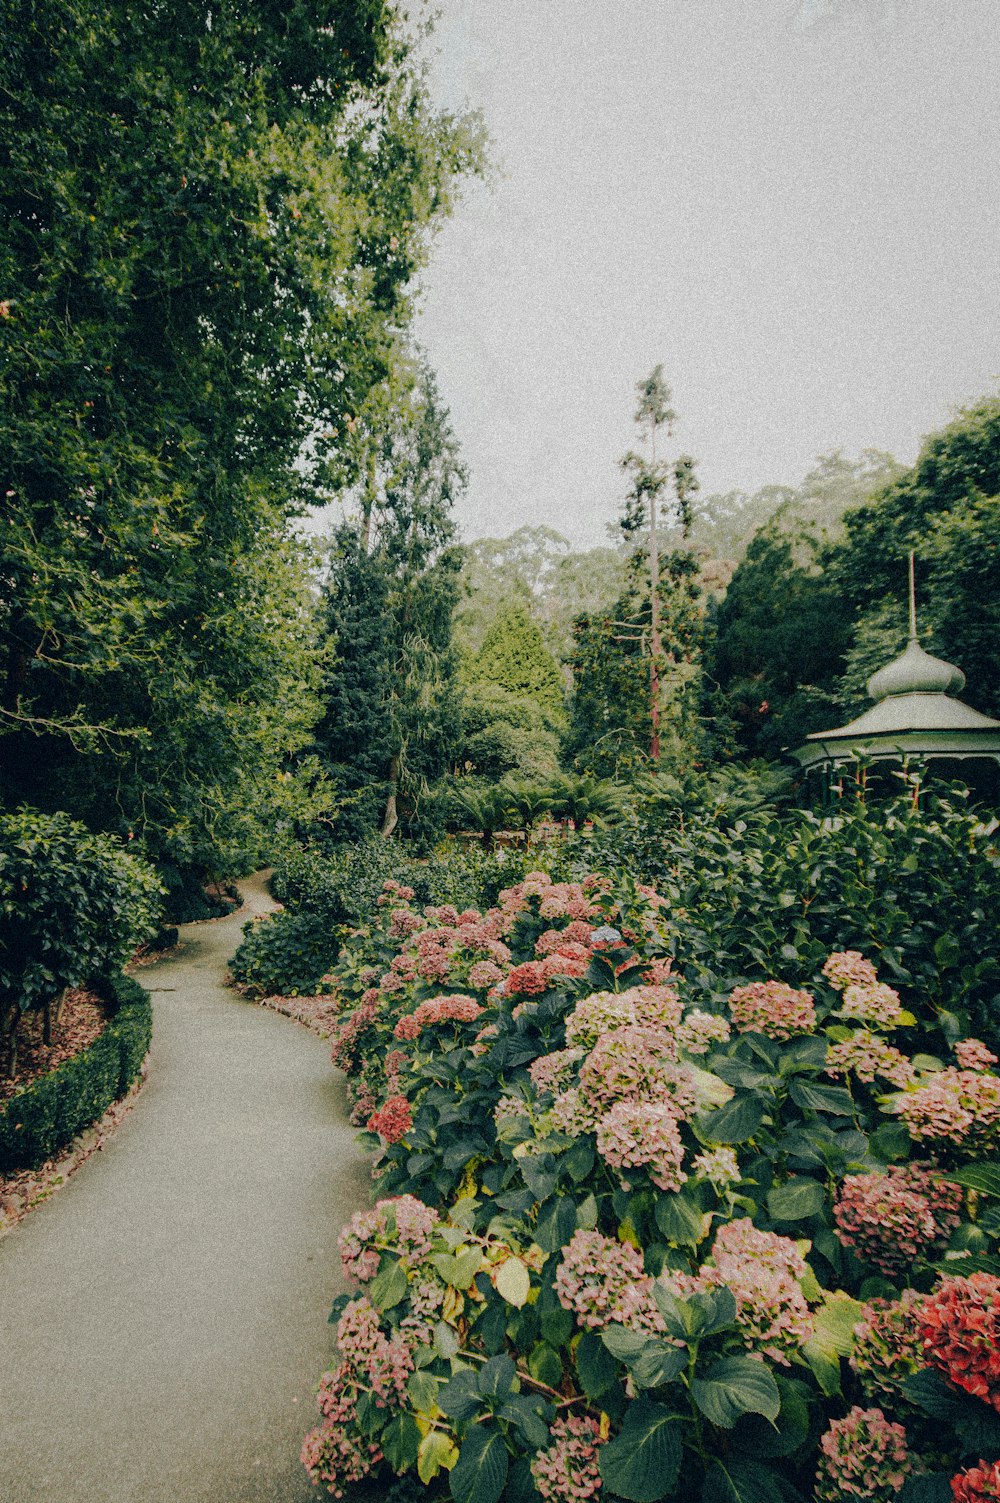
x,y
800,221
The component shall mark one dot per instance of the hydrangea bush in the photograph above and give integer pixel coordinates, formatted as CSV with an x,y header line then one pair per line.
x,y
638,1241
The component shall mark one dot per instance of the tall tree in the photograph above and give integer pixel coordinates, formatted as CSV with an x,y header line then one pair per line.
x,y
392,718
211,215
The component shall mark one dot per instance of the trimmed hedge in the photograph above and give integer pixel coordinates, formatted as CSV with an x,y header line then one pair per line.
x,y
46,1116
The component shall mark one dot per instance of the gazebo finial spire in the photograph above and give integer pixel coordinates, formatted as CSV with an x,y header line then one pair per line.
x,y
913,603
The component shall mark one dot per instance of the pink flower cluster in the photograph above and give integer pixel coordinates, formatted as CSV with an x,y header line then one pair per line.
x,y
381,1364
485,973
640,1064
567,1470
887,1345
972,1054
961,1107
719,1166
876,1005
553,1072
763,1269
393,1119
602,1281
404,922
336,1456
960,1332
894,1216
403,1225
865,1055
576,933
654,1007
979,1484
849,968
437,1010
863,1455
636,1134
699,1030
772,1008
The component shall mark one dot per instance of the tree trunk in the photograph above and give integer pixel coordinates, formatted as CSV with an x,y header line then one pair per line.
x,y
391,818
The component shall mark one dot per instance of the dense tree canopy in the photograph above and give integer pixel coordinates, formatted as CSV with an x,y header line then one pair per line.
x,y
211,217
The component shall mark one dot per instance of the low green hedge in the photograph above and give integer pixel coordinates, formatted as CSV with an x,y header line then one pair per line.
x,y
52,1110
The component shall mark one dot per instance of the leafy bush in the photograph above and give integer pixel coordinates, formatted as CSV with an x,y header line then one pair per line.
x,y
660,1250
287,953
915,885
51,1111
73,908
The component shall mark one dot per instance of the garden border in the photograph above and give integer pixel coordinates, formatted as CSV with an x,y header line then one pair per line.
x,y
54,1109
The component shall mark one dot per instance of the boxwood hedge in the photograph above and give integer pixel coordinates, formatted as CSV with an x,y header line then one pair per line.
x,y
51,1111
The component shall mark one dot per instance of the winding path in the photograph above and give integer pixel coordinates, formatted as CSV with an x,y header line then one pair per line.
x,y
163,1317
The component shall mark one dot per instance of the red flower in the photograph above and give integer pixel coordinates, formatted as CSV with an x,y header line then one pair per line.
x,y
393,1121
960,1331
978,1484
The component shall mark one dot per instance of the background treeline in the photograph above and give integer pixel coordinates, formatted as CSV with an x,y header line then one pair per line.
x,y
212,231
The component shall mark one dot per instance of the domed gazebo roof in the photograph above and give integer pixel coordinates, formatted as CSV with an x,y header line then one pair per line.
x,y
915,714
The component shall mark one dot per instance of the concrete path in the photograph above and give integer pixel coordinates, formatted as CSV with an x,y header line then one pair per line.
x,y
163,1317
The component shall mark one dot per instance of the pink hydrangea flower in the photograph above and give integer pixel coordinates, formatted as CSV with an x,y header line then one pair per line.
x,y
602,1281
393,1120
380,1363
863,1455
336,1456
638,1134
772,1008
700,1030
889,1223
639,1064
972,1054
876,1005
887,1345
762,1269
865,1055
567,1470
960,1332
849,968
961,1107
484,973
719,1166
401,1224
553,1072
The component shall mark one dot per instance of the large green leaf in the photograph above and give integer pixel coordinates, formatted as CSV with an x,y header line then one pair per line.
x,y
737,1481
388,1287
982,1177
735,1386
735,1122
679,1219
796,1199
822,1098
480,1472
643,1461
400,1441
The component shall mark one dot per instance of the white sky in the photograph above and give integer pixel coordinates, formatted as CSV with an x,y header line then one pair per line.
x,y
801,224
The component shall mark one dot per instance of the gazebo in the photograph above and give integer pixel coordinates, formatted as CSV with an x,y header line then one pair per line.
x,y
915,715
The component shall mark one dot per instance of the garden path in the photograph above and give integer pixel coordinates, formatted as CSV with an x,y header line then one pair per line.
x,y
163,1317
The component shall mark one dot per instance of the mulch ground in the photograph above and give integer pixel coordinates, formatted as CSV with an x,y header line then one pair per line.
x,y
318,1014
83,1017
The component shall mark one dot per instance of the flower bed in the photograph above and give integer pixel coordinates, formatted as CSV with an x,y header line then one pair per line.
x,y
640,1242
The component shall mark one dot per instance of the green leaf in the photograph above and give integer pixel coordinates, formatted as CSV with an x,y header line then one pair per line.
x,y
388,1287
460,1398
446,1341
931,1487
545,1364
735,1122
480,1473
679,1219
496,1377
400,1441
834,1322
513,1282
825,1369
437,1450
623,1343
737,1481
595,1366
735,1386
422,1389
643,1461
458,1269
834,1100
531,1415
796,1199
982,1177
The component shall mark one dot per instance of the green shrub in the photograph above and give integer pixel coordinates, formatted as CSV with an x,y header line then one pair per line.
x,y
51,1111
286,954
73,908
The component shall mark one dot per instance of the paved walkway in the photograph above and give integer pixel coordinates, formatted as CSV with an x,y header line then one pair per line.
x,y
163,1317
